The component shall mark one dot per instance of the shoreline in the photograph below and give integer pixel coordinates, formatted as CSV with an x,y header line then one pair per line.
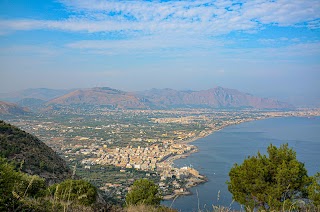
x,y
202,178
207,133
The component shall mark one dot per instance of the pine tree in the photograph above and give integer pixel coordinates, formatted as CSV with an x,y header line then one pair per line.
x,y
270,182
144,192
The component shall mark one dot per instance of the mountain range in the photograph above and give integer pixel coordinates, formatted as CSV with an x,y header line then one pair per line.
x,y
217,97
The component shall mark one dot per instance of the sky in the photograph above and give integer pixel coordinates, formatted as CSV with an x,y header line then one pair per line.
x,y
269,48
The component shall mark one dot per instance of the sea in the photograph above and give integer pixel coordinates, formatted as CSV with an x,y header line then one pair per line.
x,y
220,150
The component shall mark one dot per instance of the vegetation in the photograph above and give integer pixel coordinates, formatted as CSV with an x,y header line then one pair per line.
x,y
274,182
78,191
144,192
23,192
98,175
31,154
314,190
16,185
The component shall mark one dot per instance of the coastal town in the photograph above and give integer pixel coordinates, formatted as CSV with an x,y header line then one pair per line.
x,y
144,140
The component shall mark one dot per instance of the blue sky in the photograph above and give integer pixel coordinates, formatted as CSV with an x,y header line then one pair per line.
x,y
267,48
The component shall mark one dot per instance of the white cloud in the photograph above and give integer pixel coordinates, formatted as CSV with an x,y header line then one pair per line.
x,y
282,12
165,45
175,17
314,24
175,47
145,43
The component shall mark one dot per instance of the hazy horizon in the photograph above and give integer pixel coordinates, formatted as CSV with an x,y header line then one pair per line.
x,y
266,48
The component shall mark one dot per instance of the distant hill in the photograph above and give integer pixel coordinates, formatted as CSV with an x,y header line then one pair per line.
x,y
100,97
217,97
32,154
44,94
7,108
31,102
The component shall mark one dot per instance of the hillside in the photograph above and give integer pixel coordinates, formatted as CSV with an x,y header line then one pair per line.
x,y
7,108
31,154
31,102
107,97
217,97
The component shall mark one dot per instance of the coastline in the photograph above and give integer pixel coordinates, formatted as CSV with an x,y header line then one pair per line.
x,y
210,132
201,178
218,153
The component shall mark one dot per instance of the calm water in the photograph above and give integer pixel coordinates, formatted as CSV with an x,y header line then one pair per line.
x,y
219,151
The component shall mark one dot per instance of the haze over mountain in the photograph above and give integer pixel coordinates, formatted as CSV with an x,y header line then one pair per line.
x,y
217,97
8,108
31,103
44,94
100,96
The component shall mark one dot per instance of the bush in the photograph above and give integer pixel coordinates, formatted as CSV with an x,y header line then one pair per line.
x,y
269,183
145,192
314,190
23,192
16,186
78,191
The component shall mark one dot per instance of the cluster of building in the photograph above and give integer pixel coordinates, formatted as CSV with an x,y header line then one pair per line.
x,y
142,158
156,157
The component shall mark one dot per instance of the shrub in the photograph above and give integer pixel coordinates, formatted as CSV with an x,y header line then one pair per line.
x,y
16,186
78,191
269,183
314,190
145,192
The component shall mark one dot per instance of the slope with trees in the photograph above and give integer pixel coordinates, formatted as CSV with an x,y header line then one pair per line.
x,y
31,154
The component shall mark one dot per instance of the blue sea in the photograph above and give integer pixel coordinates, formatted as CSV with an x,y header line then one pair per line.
x,y
220,150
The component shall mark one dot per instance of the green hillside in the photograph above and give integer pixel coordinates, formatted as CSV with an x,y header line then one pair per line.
x,y
31,154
